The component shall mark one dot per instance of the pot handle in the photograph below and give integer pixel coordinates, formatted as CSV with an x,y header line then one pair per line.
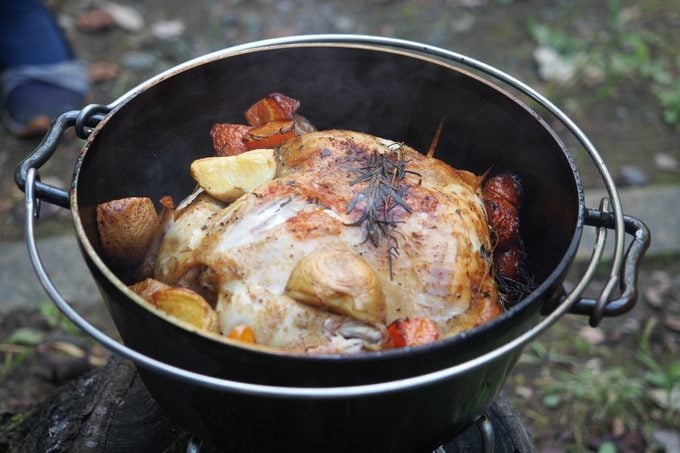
x,y
83,121
604,306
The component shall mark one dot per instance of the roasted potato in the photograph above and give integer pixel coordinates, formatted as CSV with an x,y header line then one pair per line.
x,y
228,177
147,287
227,138
187,305
126,227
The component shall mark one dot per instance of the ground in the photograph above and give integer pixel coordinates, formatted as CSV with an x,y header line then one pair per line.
x,y
612,66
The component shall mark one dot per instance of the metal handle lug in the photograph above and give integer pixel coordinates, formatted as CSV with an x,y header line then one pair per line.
x,y
605,305
83,120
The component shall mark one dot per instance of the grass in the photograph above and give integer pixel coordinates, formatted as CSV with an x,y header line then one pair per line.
x,y
587,404
621,47
20,344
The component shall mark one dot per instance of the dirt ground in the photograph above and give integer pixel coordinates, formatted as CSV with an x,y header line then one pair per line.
x,y
563,379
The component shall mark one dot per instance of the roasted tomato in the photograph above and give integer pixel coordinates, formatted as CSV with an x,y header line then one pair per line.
x,y
412,332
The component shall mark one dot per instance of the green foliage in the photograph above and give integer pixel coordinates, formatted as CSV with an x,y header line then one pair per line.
x,y
11,361
620,49
607,447
663,376
588,397
56,320
17,347
599,394
669,96
26,336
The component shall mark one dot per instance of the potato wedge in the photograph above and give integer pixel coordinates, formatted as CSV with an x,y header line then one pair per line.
x,y
227,138
228,177
126,227
147,287
188,306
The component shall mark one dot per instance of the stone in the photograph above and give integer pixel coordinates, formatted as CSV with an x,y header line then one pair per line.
x,y
591,335
630,175
553,67
670,439
137,61
666,162
169,29
124,16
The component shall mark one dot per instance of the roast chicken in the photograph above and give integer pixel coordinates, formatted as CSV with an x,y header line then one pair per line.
x,y
353,234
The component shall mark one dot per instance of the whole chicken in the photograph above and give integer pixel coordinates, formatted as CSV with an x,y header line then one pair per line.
x,y
353,234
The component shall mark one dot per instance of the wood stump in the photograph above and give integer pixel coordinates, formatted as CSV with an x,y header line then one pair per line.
x,y
110,410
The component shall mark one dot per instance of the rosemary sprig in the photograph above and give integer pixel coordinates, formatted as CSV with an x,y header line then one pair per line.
x,y
383,192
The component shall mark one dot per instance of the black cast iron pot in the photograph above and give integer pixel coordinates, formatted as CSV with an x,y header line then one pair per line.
x,y
412,399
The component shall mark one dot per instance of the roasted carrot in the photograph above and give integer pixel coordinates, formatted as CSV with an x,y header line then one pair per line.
x,y
242,333
412,332
273,107
270,135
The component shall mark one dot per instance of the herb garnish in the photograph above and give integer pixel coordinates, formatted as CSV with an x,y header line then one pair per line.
x,y
384,192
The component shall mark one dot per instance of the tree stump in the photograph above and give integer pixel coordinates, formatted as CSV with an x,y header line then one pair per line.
x,y
110,410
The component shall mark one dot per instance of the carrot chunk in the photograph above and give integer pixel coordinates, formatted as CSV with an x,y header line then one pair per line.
x,y
273,107
228,138
269,135
412,332
242,333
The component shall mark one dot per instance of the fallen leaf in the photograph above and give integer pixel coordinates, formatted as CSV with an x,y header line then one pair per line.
x,y
665,399
591,335
58,362
632,442
553,67
94,20
524,391
666,162
656,294
654,297
124,16
26,336
618,427
594,364
102,71
672,322
168,29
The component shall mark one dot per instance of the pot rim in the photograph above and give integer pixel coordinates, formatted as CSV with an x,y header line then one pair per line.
x,y
408,49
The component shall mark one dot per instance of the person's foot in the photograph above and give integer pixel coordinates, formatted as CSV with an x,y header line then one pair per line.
x,y
30,107
34,95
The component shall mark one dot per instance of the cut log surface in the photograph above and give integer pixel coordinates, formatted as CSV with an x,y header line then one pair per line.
x,y
107,410
110,410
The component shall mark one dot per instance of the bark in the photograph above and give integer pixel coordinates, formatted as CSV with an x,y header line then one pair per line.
x,y
107,410
110,410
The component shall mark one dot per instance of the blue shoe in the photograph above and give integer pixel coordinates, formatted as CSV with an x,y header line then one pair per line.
x,y
34,95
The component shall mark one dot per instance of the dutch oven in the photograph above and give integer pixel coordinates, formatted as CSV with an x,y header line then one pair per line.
x,y
411,399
